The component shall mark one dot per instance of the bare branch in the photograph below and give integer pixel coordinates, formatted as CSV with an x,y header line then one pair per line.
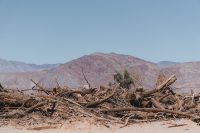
x,y
85,78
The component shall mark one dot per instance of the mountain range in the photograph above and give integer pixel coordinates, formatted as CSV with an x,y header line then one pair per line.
x,y
99,69
16,66
164,64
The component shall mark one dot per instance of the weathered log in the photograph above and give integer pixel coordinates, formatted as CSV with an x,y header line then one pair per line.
x,y
161,87
154,110
95,103
156,104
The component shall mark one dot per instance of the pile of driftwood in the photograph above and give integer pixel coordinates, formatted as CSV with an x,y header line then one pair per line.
x,y
104,105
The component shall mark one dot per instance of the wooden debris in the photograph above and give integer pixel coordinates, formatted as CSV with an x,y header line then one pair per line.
x,y
177,125
104,105
95,103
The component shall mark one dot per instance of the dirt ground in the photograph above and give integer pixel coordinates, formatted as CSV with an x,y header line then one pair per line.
x,y
153,127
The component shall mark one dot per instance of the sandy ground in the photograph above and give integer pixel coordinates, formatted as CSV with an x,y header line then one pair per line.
x,y
84,127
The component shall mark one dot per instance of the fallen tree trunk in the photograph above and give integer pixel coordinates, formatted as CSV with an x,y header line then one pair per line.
x,y
153,110
161,87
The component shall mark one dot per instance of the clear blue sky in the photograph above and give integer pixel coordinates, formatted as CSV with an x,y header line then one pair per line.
x,y
52,31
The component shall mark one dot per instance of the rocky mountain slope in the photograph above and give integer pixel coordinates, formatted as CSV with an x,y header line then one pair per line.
x,y
99,69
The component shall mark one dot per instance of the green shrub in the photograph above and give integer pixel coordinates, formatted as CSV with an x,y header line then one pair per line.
x,y
125,80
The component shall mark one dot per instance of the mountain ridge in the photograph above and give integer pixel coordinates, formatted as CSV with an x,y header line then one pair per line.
x,y
99,69
164,64
18,66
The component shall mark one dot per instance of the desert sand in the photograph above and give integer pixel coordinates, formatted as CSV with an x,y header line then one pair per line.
x,y
151,127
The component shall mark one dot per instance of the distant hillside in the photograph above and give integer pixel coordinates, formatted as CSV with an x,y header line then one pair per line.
x,y
16,66
164,64
188,75
99,69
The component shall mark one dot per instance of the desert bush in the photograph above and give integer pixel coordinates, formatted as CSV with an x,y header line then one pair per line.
x,y
125,80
